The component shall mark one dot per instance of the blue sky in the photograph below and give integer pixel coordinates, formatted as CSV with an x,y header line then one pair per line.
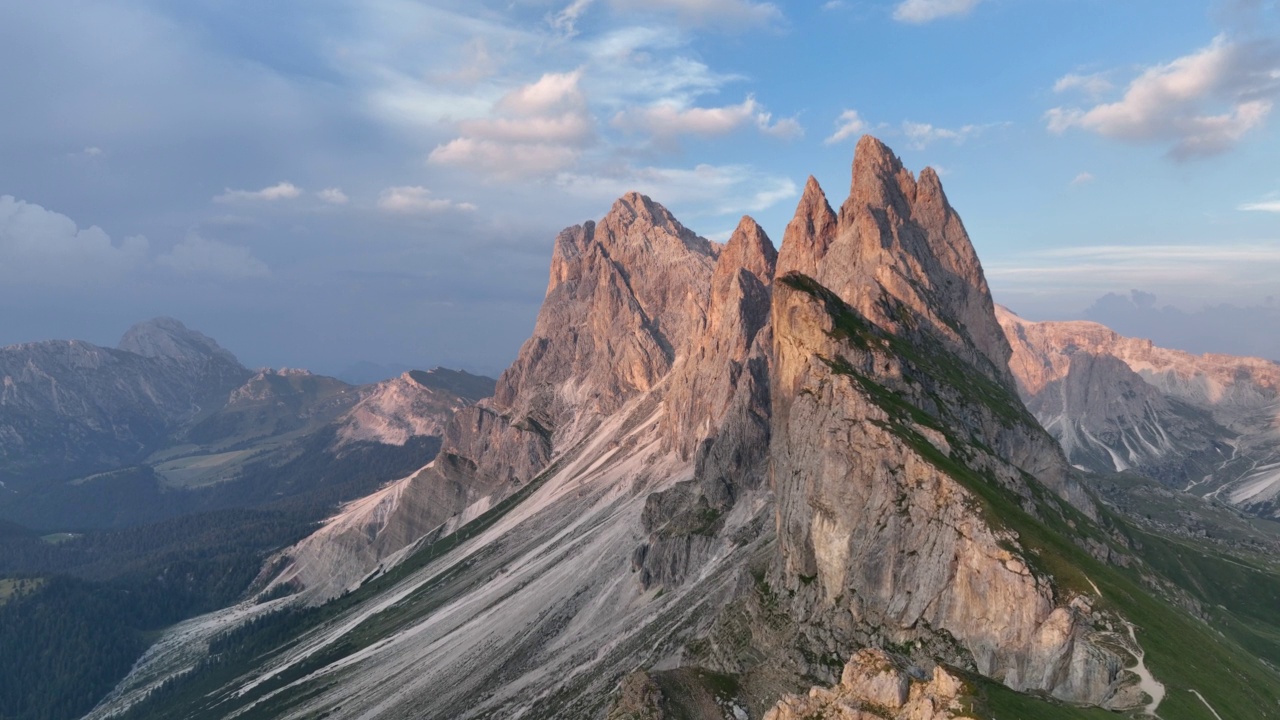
x,y
318,183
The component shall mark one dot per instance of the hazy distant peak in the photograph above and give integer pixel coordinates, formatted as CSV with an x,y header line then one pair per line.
x,y
166,337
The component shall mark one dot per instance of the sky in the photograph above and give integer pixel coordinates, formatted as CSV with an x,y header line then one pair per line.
x,y
320,183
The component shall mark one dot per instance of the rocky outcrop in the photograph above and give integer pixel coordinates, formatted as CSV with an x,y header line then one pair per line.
x,y
717,407
1202,423
876,686
412,405
639,698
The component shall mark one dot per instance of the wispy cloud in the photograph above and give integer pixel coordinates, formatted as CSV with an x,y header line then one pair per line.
x,y
923,11
1094,85
665,121
1272,206
1201,104
1108,267
280,191
705,189
726,14
416,199
921,135
848,125
1083,178
333,196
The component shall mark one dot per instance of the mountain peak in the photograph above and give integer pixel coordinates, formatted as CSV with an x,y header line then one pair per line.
x,y
809,233
166,337
898,238
750,249
632,217
879,180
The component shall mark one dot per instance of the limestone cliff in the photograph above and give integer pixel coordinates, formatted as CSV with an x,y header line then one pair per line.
x,y
1208,424
627,300
894,421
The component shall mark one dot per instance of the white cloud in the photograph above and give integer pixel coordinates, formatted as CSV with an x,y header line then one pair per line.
x,y
848,125
785,128
535,129
1095,85
92,151
279,191
333,196
1083,178
667,119
1202,103
552,93
923,11
415,199
921,135
198,256
42,247
505,162
704,189
1272,206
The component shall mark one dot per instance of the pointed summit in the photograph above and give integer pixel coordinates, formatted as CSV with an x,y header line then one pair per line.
x,y
809,234
879,181
899,243
750,249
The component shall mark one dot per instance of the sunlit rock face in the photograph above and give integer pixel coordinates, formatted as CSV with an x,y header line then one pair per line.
x,y
1206,424
831,426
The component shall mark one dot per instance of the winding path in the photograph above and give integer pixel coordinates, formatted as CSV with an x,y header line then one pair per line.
x,y
1146,681
1206,704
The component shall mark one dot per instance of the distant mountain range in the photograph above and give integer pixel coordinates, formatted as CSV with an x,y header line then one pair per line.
x,y
1203,424
169,422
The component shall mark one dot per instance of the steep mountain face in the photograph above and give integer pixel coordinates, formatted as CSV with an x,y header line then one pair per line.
x,y
1202,423
69,407
878,419
732,468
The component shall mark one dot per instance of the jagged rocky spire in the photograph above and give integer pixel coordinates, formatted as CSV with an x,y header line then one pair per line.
x,y
809,234
898,238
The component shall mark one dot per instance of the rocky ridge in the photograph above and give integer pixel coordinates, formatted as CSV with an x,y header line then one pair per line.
x,y
707,457
1208,424
70,407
